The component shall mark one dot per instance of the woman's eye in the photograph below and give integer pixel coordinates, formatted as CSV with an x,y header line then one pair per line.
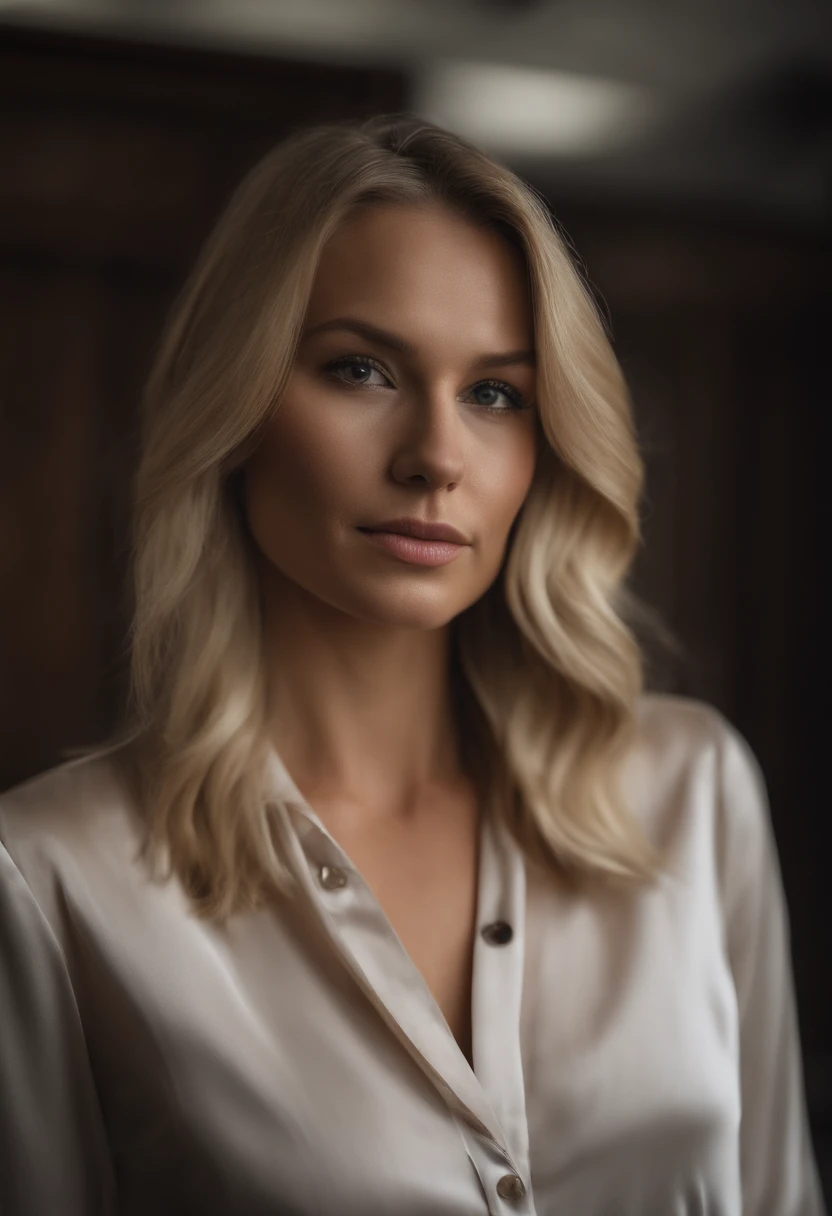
x,y
493,390
353,371
356,371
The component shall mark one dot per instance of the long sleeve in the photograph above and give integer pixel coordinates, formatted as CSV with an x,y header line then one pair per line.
x,y
53,1155
779,1177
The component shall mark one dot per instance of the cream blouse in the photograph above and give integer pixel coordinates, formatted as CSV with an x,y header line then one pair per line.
x,y
634,1055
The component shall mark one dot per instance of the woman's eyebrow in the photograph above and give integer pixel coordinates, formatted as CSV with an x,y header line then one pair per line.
x,y
383,337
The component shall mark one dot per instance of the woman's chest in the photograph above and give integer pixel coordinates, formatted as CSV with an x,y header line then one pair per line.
x,y
631,1054
254,1075
298,1057
424,877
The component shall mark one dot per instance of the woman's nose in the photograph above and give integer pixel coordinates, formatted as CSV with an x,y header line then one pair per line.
x,y
432,446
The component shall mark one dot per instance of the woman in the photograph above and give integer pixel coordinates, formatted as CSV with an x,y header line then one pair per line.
x,y
395,895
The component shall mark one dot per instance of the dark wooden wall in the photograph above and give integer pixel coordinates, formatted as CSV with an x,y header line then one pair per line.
x,y
116,158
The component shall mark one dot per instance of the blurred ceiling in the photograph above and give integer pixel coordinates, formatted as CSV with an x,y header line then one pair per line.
x,y
725,102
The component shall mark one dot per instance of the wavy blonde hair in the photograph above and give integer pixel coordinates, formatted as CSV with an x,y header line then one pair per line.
x,y
546,673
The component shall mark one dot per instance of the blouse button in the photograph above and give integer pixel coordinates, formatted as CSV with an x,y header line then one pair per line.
x,y
510,1187
331,877
498,934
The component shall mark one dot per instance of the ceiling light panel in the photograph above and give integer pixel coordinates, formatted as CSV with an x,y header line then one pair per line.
x,y
530,112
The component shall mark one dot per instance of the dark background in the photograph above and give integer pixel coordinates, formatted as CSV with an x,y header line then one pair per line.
x,y
709,250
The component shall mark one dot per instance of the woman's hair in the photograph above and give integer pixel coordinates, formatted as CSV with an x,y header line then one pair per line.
x,y
545,671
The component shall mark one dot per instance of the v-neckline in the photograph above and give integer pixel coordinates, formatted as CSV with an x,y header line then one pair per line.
x,y
367,943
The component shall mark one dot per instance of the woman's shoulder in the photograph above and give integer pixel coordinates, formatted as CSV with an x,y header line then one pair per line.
x,y
678,732
77,806
671,720
692,771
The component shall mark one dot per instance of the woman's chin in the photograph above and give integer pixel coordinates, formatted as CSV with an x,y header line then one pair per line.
x,y
409,609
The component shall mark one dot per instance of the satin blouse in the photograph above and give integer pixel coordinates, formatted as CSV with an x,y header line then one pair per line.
x,y
633,1054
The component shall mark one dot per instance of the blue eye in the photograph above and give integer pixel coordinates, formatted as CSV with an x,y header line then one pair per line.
x,y
365,363
503,390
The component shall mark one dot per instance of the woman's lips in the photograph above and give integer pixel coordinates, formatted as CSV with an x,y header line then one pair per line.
x,y
412,549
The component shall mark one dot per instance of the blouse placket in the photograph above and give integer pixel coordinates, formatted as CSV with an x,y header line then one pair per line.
x,y
487,1103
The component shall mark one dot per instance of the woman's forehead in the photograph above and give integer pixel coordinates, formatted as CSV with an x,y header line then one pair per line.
x,y
413,270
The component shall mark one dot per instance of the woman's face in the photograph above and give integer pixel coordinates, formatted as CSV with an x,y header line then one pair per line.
x,y
418,322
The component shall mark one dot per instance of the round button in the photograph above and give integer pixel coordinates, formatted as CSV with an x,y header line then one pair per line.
x,y
510,1187
332,878
498,933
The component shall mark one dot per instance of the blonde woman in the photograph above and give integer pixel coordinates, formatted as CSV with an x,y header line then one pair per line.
x,y
395,895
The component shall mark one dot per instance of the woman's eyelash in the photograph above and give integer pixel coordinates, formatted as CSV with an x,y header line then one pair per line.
x,y
515,397
354,361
